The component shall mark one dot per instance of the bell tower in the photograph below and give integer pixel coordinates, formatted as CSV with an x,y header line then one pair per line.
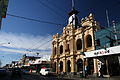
x,y
73,20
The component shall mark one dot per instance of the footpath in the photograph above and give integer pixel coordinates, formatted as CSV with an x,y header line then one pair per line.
x,y
92,78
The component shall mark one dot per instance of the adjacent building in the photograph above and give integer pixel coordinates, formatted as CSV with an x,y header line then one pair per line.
x,y
107,51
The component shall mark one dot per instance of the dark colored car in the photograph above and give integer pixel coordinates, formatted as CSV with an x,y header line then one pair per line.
x,y
16,72
2,72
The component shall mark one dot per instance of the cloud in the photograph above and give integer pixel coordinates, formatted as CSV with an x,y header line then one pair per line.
x,y
25,43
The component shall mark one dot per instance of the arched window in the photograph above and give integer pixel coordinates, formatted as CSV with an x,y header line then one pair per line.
x,y
55,50
79,44
88,41
61,49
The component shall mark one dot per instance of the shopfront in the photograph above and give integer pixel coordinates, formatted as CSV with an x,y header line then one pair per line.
x,y
108,60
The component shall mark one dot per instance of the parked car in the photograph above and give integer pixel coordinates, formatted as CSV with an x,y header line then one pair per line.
x,y
46,71
16,72
3,72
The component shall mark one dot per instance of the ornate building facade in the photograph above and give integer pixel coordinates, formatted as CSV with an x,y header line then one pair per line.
x,y
68,48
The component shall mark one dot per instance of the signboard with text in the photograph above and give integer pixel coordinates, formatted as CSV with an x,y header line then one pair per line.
x,y
103,52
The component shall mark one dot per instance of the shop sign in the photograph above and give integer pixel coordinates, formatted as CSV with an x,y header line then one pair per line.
x,y
101,52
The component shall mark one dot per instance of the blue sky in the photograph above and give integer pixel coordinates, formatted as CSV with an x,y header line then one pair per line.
x,y
26,35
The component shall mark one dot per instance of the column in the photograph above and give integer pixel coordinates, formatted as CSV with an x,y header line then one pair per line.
x,y
95,67
64,65
72,65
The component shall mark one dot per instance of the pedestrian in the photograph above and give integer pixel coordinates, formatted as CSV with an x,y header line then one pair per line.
x,y
101,72
30,70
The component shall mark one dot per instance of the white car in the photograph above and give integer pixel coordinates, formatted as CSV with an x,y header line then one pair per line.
x,y
45,71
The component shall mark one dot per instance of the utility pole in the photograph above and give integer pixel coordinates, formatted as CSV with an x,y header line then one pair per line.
x,y
108,22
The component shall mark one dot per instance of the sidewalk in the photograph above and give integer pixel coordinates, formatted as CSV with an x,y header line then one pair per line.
x,y
93,78
89,77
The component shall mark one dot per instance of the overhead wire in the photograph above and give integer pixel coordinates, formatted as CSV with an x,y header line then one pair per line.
x,y
31,19
51,10
43,44
56,6
12,15
58,14
40,20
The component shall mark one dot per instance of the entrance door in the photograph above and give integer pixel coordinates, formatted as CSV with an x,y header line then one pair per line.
x,y
79,65
55,67
90,67
69,66
61,66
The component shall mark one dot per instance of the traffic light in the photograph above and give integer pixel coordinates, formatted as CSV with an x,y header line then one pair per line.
x,y
98,42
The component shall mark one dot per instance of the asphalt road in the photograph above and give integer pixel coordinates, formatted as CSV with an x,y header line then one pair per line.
x,y
30,77
39,77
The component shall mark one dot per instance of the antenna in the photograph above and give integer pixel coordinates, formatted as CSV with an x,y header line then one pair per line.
x,y
73,4
108,22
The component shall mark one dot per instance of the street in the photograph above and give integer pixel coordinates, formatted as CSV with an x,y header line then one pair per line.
x,y
34,76
29,76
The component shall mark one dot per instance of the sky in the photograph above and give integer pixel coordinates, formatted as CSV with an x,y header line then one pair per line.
x,y
35,35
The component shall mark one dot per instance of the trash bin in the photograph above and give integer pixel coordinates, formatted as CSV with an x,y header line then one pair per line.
x,y
81,74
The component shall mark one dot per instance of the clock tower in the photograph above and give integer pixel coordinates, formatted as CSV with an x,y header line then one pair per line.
x,y
73,20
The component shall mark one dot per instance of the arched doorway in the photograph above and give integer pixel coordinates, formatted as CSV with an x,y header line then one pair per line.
x,y
68,66
90,67
79,65
61,66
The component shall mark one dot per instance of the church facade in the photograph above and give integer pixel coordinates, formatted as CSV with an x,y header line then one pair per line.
x,y
68,49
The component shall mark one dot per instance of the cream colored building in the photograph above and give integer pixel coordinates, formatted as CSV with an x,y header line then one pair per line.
x,y
68,48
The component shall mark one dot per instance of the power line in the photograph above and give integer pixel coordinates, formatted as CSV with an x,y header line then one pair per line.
x,y
62,17
34,20
56,6
44,39
37,21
